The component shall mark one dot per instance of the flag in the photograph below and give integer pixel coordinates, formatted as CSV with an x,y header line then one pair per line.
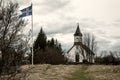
x,y
26,11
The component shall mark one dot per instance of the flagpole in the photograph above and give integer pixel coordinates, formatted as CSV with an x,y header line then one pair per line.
x,y
32,32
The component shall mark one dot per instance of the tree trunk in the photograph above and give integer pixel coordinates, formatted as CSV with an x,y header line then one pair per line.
x,y
4,63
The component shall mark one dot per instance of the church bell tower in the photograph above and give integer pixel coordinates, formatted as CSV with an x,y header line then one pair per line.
x,y
77,36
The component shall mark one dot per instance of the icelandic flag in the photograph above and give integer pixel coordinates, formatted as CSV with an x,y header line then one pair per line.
x,y
26,11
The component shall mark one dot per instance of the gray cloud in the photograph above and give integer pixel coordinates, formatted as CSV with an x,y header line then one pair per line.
x,y
49,6
117,37
115,46
63,28
59,17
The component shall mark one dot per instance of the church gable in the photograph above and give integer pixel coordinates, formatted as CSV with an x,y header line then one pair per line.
x,y
74,52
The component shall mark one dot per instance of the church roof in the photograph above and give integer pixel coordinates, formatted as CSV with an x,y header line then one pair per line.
x,y
78,32
87,49
84,47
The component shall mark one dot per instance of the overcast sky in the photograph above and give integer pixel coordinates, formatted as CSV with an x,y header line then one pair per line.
x,y
59,17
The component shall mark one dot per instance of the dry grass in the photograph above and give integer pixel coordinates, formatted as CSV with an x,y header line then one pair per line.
x,y
49,72
71,72
104,72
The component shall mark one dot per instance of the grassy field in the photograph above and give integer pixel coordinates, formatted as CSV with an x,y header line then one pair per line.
x,y
81,74
71,72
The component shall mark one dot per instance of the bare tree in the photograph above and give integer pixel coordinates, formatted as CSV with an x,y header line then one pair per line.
x,y
90,41
10,34
13,44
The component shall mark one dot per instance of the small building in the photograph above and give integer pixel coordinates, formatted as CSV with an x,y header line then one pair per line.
x,y
79,52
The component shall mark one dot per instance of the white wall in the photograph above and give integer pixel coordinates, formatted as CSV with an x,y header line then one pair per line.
x,y
72,53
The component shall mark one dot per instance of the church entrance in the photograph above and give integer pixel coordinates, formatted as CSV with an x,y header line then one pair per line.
x,y
77,57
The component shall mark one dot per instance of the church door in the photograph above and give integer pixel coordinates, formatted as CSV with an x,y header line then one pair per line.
x,y
77,57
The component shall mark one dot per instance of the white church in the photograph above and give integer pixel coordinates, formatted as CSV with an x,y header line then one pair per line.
x,y
79,53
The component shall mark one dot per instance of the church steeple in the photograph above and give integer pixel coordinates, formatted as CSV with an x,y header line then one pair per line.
x,y
77,36
78,32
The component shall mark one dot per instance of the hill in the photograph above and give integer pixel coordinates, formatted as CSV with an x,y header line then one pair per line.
x,y
70,72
